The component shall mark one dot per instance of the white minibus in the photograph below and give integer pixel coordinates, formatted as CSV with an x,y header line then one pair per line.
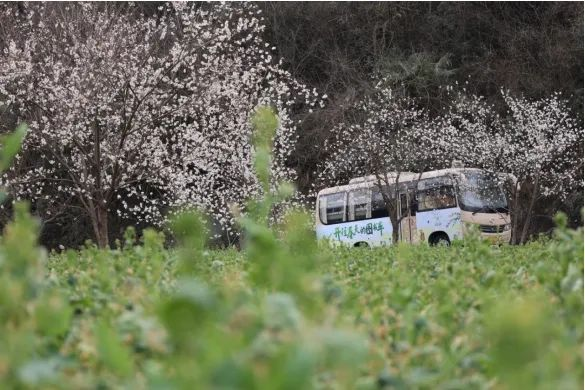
x,y
431,207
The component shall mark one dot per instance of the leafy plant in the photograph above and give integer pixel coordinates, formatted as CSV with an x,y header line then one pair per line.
x,y
286,313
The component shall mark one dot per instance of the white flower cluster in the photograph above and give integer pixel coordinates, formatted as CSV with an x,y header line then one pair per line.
x,y
144,114
536,141
387,133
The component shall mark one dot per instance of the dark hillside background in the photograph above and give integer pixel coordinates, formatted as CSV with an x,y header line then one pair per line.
x,y
532,48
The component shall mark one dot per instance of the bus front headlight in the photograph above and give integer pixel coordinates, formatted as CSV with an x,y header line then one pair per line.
x,y
507,227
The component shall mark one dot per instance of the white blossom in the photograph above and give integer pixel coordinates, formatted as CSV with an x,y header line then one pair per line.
x,y
153,110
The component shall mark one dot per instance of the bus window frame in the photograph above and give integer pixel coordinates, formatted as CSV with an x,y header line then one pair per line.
x,y
348,208
376,189
418,202
345,210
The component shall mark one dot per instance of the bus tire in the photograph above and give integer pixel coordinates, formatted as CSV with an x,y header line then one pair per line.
x,y
439,239
361,244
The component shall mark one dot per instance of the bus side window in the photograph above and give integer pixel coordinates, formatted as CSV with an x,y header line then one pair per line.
x,y
378,206
436,198
332,208
359,205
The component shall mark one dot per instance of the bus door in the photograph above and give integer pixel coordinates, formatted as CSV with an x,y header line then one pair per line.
x,y
407,218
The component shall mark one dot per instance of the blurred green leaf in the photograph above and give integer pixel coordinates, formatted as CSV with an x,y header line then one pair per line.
x,y
11,144
112,353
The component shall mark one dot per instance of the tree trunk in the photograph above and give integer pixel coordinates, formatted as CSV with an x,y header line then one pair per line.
x,y
394,222
395,231
100,208
392,210
516,212
99,218
528,218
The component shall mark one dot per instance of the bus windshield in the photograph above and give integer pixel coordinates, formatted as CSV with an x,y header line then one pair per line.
x,y
480,191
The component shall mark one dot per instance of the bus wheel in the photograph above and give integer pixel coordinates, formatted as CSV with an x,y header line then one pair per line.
x,y
361,244
439,239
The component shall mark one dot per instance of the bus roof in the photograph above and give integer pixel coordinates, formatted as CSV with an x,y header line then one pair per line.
x,y
403,177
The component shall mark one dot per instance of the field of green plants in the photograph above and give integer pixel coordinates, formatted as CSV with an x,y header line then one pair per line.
x,y
286,312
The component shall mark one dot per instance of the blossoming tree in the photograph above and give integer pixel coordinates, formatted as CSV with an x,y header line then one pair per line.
x,y
138,115
544,150
538,142
386,137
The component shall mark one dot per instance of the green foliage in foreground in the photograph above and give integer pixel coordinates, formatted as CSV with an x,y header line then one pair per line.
x,y
141,316
287,314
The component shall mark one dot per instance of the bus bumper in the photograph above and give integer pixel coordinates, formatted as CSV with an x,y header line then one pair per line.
x,y
497,238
